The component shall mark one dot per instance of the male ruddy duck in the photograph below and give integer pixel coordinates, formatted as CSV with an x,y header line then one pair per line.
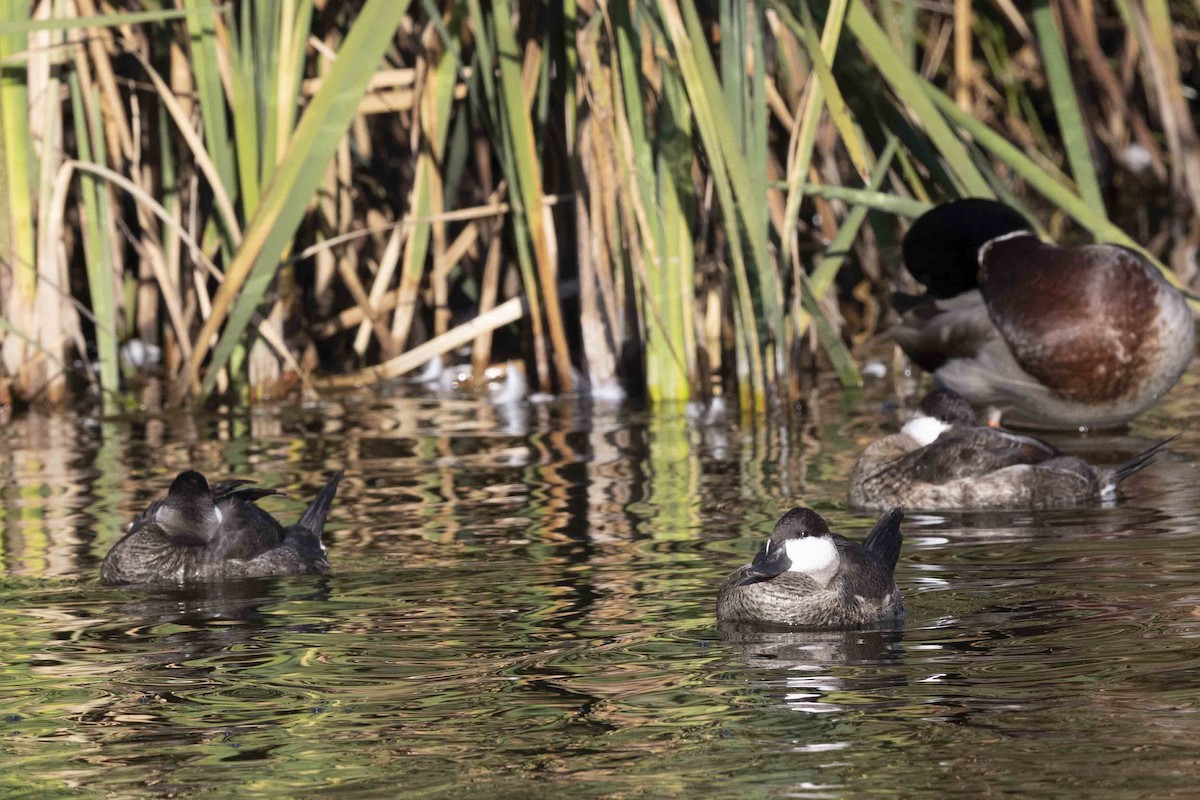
x,y
807,577
196,534
942,460
1053,337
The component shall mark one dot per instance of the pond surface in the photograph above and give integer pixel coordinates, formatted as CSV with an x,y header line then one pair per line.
x,y
522,606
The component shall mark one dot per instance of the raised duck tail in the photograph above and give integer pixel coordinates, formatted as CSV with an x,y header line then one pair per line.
x,y
885,539
314,516
1108,491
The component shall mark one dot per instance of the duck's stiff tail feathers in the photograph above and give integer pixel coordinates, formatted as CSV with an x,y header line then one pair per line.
x,y
885,538
1108,491
314,516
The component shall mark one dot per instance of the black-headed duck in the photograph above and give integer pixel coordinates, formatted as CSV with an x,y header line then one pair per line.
x,y
199,534
942,460
1049,336
808,577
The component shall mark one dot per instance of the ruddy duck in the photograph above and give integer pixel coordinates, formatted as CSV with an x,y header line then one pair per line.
x,y
1052,337
197,534
942,460
807,577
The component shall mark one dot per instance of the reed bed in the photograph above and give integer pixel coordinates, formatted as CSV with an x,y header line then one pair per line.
x,y
665,198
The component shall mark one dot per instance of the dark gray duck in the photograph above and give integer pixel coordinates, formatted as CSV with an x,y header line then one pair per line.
x,y
1049,336
942,460
805,576
198,534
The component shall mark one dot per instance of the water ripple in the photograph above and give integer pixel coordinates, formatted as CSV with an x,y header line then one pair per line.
x,y
523,606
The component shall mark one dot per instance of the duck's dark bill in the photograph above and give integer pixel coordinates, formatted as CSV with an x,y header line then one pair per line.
x,y
771,560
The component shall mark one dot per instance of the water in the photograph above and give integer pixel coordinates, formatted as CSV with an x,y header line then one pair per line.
x,y
522,606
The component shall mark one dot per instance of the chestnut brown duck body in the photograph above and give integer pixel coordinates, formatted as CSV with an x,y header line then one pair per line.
x,y
1050,336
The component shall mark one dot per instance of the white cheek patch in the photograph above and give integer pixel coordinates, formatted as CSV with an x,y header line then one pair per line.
x,y
219,515
925,430
815,556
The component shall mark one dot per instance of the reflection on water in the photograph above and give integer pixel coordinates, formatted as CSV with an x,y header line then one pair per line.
x,y
522,605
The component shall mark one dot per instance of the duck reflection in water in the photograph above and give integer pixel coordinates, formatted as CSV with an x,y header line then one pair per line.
x,y
815,671
188,657
200,621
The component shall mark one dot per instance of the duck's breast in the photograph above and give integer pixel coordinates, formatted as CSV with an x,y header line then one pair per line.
x,y
1086,322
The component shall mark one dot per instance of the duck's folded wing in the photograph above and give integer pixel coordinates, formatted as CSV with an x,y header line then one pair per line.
x,y
933,331
966,453
1031,448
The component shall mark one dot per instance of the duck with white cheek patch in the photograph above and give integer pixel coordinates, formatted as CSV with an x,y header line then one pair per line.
x,y
805,576
942,460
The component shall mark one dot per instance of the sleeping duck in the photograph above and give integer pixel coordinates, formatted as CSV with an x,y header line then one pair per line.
x,y
1049,336
199,533
942,460
806,576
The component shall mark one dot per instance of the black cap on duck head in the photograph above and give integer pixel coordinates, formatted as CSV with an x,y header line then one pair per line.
x,y
798,523
188,511
948,406
941,249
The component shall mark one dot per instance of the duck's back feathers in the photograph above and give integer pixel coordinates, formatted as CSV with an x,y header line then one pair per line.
x,y
968,452
982,468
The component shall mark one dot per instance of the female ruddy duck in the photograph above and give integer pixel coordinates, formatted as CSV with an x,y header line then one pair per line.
x,y
197,534
942,460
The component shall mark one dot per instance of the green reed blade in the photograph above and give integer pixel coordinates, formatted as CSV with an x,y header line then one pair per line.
x,y
527,199
202,48
760,301
665,267
827,268
16,204
839,356
800,159
873,200
1071,124
298,175
104,20
428,194
96,250
675,363
908,87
